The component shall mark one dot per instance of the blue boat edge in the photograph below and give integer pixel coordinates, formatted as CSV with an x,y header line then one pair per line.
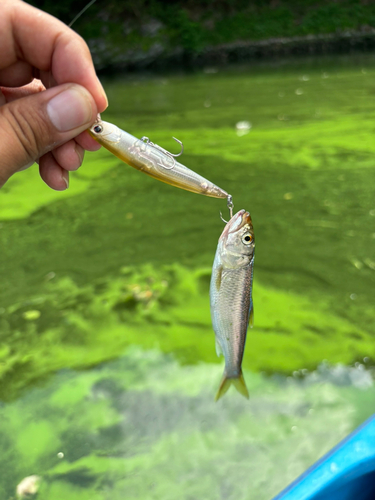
x,y
344,473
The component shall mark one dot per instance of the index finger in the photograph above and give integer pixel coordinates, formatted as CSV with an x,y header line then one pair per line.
x,y
42,41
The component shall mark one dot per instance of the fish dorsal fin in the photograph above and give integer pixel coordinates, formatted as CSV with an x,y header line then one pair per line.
x,y
219,277
251,314
219,350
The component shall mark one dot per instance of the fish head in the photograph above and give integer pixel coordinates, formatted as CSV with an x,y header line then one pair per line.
x,y
237,241
105,133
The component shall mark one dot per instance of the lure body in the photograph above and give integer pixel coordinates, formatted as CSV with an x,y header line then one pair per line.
x,y
231,297
151,159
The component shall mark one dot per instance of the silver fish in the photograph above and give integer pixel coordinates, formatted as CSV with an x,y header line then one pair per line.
x,y
231,297
153,160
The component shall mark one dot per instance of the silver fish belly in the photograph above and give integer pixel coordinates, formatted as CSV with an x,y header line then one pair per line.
x,y
231,297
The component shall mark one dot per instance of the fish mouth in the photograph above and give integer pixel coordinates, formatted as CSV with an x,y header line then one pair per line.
x,y
238,221
246,219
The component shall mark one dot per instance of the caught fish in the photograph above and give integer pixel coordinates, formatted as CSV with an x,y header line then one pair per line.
x,y
231,297
153,160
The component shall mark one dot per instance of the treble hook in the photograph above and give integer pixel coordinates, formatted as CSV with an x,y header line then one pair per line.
x,y
230,205
182,148
146,140
222,218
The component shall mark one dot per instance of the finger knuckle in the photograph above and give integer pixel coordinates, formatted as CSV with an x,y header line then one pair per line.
x,y
27,128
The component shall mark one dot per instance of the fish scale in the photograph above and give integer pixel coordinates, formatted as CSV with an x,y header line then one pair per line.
x,y
233,299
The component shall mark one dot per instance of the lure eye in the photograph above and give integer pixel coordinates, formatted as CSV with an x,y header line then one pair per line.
x,y
247,239
98,129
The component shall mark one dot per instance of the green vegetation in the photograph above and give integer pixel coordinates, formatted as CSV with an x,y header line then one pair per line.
x,y
116,27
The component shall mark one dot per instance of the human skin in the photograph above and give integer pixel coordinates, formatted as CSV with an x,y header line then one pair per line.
x,y
49,95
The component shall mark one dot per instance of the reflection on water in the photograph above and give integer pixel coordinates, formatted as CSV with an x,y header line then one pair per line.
x,y
145,427
107,360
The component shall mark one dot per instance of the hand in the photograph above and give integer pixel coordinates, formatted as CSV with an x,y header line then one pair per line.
x,y
39,52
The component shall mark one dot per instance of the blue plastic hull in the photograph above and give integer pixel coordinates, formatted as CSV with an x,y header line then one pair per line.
x,y
347,472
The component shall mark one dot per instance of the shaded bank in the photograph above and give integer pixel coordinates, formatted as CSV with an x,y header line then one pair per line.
x,y
152,33
158,58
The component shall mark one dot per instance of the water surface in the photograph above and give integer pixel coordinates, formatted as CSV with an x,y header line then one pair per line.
x,y
107,360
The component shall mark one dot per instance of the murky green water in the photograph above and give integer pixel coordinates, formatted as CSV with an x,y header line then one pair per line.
x,y
107,360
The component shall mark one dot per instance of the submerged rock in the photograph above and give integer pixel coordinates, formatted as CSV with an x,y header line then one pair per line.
x,y
28,486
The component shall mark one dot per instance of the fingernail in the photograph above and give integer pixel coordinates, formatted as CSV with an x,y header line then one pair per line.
x,y
79,152
65,178
103,93
70,109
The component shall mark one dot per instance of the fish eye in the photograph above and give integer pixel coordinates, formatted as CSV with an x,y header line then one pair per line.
x,y
247,239
98,129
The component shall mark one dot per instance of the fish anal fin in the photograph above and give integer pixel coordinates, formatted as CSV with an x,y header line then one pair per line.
x,y
238,382
219,350
218,278
251,315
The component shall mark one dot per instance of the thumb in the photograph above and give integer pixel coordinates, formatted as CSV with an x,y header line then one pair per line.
x,y
33,125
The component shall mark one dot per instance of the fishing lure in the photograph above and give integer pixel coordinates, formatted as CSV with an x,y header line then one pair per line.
x,y
153,160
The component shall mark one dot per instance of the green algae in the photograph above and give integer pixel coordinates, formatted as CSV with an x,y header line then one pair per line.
x,y
119,430
24,193
167,309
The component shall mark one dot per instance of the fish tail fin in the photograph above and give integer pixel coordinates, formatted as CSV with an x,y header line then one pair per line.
x,y
238,382
224,386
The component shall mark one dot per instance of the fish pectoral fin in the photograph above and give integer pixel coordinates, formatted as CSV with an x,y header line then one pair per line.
x,y
219,350
219,277
238,382
251,315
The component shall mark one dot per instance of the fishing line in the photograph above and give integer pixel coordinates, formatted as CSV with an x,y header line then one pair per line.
x,y
81,12
230,205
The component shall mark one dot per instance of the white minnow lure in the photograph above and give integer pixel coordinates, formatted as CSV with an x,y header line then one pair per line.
x,y
231,297
151,159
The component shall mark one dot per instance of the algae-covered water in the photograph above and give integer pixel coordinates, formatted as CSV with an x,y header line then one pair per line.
x,y
107,359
